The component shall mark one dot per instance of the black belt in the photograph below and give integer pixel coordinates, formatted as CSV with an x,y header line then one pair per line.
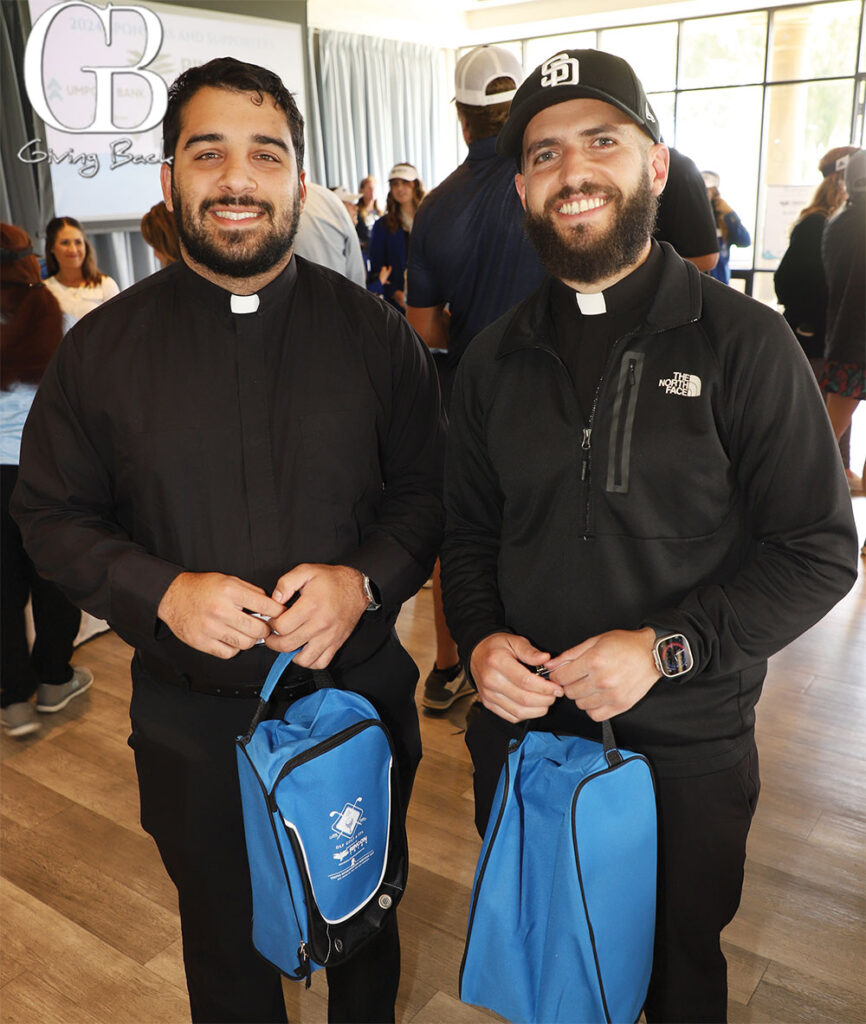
x,y
296,681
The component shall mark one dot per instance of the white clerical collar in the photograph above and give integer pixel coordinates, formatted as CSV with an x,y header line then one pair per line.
x,y
589,303
245,303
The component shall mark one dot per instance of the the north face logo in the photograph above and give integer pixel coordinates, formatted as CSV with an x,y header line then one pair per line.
x,y
688,385
560,70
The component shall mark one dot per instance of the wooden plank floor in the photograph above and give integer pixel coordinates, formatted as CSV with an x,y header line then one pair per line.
x,y
90,931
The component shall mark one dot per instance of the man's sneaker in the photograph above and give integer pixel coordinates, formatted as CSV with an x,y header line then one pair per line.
x,y
19,719
444,686
51,698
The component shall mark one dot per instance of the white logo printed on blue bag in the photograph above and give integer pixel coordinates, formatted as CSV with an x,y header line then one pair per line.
x,y
686,385
352,847
560,70
348,819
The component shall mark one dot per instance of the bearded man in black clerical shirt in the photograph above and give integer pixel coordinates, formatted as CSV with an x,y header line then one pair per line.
x,y
240,455
643,502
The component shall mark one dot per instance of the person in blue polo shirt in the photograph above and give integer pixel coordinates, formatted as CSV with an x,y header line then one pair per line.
x,y
468,263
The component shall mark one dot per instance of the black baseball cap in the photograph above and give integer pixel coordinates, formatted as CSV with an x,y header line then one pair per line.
x,y
571,75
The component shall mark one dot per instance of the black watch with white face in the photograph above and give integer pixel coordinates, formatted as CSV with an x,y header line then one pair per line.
x,y
374,602
672,655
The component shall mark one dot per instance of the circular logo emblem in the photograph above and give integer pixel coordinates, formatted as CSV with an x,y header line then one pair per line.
x,y
385,901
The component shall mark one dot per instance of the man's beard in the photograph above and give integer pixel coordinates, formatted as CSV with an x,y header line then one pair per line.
x,y
580,253
230,251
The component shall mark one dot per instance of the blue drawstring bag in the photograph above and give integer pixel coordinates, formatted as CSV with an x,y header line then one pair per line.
x,y
562,917
324,833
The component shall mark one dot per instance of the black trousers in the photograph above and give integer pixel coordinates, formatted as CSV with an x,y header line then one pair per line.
x,y
190,803
55,619
703,825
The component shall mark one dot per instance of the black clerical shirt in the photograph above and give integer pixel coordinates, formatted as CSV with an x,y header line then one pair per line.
x,y
583,342
172,434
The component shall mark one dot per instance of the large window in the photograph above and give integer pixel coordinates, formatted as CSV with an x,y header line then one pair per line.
x,y
757,96
650,49
537,50
815,41
723,51
711,127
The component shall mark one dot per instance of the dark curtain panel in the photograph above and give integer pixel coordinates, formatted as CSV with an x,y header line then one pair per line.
x,y
25,189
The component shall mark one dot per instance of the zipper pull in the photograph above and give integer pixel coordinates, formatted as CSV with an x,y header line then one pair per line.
x,y
585,444
304,962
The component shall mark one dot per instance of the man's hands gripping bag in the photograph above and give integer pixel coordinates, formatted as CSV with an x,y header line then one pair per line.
x,y
562,917
324,832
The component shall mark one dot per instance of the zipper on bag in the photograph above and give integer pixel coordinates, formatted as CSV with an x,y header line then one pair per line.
x,y
512,746
303,959
308,946
317,749
584,782
304,962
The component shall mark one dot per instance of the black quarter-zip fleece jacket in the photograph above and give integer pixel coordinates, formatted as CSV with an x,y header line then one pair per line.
x,y
704,495
171,433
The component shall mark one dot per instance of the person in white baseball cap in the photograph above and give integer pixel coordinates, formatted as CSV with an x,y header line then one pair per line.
x,y
478,69
470,254
389,240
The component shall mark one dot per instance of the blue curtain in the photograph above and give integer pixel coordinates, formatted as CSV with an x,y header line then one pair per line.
x,y
377,102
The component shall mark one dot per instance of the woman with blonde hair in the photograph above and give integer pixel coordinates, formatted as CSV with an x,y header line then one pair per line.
x,y
799,279
389,242
74,278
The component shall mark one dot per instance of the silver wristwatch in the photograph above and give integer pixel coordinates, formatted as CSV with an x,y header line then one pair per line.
x,y
374,602
672,655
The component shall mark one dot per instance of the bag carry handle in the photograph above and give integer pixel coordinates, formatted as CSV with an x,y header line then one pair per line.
x,y
611,752
321,677
281,663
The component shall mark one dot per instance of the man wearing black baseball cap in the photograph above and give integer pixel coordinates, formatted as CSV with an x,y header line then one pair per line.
x,y
578,74
643,498
685,217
